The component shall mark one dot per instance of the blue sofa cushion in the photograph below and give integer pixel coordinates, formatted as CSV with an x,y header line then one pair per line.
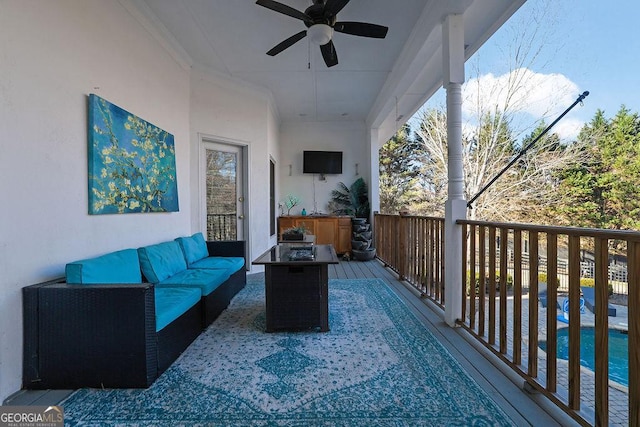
x,y
115,267
172,303
194,248
205,280
161,261
231,263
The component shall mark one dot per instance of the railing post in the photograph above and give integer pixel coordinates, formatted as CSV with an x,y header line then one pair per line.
x,y
504,236
574,322
465,252
402,247
634,332
492,285
453,279
552,322
472,276
517,297
602,332
532,366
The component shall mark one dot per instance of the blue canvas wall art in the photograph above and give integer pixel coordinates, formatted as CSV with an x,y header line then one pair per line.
x,y
132,163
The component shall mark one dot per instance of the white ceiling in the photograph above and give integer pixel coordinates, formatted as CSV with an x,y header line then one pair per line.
x,y
375,80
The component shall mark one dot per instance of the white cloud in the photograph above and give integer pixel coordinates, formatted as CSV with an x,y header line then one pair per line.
x,y
525,94
568,128
524,90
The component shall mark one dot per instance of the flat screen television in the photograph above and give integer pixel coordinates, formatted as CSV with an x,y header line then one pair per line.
x,y
323,162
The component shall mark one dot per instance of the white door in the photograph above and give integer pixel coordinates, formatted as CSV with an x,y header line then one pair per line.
x,y
222,167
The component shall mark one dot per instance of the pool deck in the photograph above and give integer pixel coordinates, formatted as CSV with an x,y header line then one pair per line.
x,y
618,393
617,322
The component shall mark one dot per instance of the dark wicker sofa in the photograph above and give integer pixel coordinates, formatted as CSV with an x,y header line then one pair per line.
x,y
215,304
203,264
98,336
105,335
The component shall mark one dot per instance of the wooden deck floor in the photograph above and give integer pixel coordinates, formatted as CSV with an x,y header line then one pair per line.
x,y
523,408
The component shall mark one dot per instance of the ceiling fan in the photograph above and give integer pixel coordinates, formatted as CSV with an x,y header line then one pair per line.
x,y
320,19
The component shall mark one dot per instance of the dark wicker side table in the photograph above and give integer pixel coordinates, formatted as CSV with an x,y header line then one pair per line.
x,y
297,287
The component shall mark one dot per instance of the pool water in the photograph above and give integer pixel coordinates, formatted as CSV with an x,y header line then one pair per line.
x,y
618,351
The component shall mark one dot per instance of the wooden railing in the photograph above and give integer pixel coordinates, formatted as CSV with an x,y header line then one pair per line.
x,y
413,247
486,308
221,226
504,311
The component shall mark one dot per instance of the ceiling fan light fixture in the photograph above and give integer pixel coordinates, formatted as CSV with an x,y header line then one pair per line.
x,y
320,34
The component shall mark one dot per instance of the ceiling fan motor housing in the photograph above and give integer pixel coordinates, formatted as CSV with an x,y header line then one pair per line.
x,y
319,15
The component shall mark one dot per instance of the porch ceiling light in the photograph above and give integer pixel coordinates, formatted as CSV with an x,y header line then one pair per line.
x,y
320,34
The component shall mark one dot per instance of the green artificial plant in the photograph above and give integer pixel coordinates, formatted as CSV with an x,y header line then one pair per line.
x,y
352,201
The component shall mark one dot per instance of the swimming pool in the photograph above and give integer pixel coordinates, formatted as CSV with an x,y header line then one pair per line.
x,y
618,351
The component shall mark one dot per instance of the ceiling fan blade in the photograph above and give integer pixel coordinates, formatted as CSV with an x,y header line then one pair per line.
x,y
287,43
362,29
329,54
335,6
284,9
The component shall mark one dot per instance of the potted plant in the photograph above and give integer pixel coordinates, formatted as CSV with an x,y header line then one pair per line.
x,y
294,233
354,201
290,201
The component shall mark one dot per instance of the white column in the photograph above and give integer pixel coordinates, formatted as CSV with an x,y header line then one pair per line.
x,y
455,206
374,171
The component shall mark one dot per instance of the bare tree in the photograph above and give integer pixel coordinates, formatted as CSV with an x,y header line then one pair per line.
x,y
523,193
495,108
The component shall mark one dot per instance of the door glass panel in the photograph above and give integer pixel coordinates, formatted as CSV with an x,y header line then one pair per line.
x,y
222,183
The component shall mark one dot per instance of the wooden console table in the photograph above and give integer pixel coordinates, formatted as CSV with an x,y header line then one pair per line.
x,y
329,230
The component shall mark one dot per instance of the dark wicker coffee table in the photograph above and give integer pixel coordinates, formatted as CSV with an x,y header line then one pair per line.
x,y
297,286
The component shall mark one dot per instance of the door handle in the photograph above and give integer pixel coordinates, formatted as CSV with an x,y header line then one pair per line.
x,y
240,216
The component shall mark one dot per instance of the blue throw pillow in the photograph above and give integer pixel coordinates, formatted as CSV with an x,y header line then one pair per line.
x,y
115,267
158,262
194,248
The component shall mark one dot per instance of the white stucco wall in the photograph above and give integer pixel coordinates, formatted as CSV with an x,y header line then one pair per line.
x,y
52,55
228,112
349,137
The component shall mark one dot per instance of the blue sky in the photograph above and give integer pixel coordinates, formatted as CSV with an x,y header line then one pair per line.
x,y
607,61
584,45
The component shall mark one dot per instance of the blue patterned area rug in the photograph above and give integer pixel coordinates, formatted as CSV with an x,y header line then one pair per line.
x,y
378,366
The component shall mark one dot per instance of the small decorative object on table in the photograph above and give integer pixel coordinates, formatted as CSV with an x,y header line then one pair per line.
x,y
291,201
302,254
294,233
